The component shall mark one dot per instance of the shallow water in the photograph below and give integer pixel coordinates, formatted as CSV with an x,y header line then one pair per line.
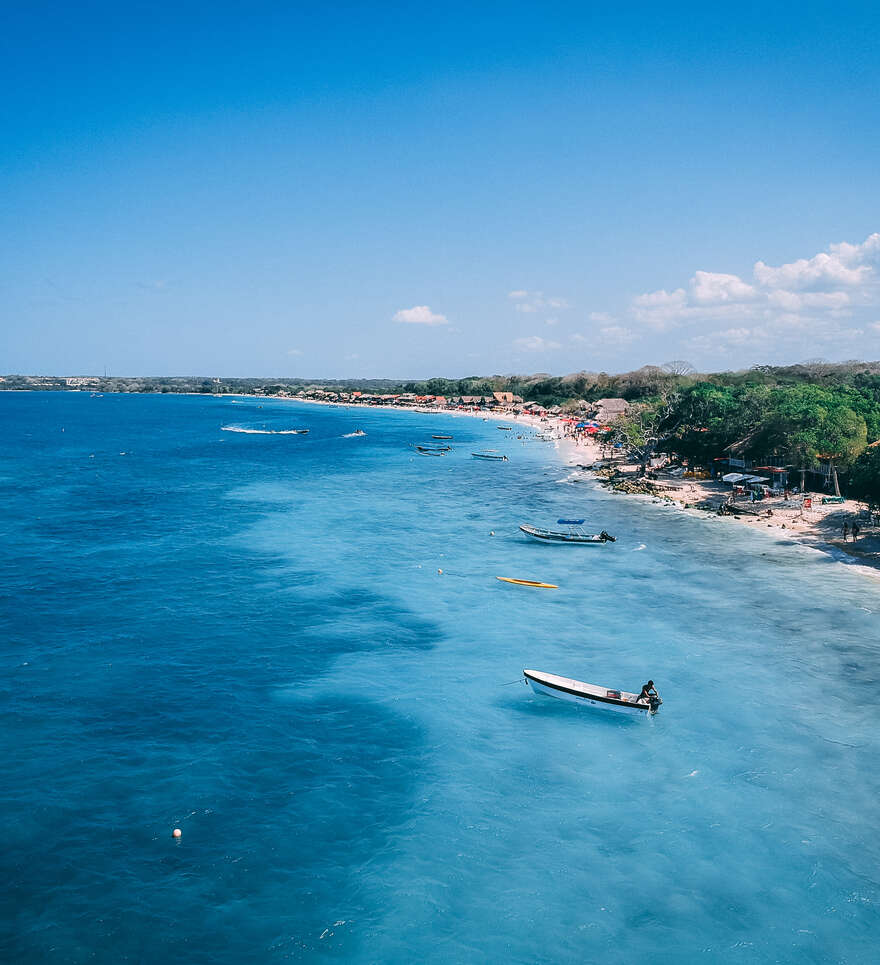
x,y
245,635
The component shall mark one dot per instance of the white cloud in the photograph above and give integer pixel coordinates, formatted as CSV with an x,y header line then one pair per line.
x,y
577,337
810,294
528,302
534,343
551,321
617,335
819,305
711,288
662,299
605,318
294,351
420,315
794,301
842,265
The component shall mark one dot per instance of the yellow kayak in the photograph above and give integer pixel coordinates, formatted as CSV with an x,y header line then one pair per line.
x,y
509,579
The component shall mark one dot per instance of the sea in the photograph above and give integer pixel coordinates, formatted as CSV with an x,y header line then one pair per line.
x,y
294,649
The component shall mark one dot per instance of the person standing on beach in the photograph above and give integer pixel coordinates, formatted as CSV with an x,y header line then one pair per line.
x,y
855,531
845,531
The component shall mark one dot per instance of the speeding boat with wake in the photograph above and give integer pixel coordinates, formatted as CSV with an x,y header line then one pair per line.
x,y
578,692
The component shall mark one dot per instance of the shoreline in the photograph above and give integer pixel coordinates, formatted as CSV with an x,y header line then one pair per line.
x,y
812,531
687,496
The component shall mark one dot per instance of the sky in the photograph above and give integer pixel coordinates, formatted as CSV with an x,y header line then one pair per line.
x,y
405,191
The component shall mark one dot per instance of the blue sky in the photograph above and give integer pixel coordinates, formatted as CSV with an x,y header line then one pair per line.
x,y
292,190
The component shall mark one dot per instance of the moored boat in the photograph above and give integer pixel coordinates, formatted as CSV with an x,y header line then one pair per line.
x,y
434,448
578,692
441,437
490,454
573,534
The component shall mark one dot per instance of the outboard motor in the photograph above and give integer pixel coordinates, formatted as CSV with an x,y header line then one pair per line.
x,y
655,703
607,537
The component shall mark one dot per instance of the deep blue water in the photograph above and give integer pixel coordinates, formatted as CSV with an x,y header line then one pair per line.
x,y
246,636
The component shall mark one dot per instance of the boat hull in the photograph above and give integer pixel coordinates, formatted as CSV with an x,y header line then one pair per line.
x,y
547,536
546,688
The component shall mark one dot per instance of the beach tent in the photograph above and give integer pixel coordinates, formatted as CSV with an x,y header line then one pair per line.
x,y
733,477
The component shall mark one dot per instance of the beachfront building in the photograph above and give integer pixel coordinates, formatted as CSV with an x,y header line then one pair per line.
x,y
607,410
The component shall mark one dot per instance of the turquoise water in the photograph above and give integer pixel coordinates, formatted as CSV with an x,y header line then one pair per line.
x,y
246,636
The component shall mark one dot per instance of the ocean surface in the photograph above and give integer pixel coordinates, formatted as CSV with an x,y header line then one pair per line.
x,y
248,636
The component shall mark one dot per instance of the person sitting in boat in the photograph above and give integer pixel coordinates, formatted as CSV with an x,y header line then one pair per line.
x,y
648,693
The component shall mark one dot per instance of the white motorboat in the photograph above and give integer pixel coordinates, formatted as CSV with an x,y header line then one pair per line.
x,y
573,534
578,692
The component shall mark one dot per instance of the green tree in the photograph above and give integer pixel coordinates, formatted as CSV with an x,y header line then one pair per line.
x,y
864,477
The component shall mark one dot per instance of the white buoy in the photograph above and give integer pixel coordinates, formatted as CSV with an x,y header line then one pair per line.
x,y
439,571
492,532
177,832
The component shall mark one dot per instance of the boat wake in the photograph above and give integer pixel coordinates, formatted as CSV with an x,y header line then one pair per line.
x,y
641,546
261,432
351,435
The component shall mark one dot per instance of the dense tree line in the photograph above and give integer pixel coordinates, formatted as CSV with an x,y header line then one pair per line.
x,y
795,419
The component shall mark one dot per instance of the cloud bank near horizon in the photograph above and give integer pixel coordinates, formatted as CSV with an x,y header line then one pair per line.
x,y
826,303
811,302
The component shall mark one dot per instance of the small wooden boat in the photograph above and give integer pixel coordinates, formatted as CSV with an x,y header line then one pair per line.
x,y
510,579
505,428
490,454
300,432
573,534
430,452
441,437
434,448
578,692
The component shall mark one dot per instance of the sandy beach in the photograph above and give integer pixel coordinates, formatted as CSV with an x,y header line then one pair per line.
x,y
817,526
